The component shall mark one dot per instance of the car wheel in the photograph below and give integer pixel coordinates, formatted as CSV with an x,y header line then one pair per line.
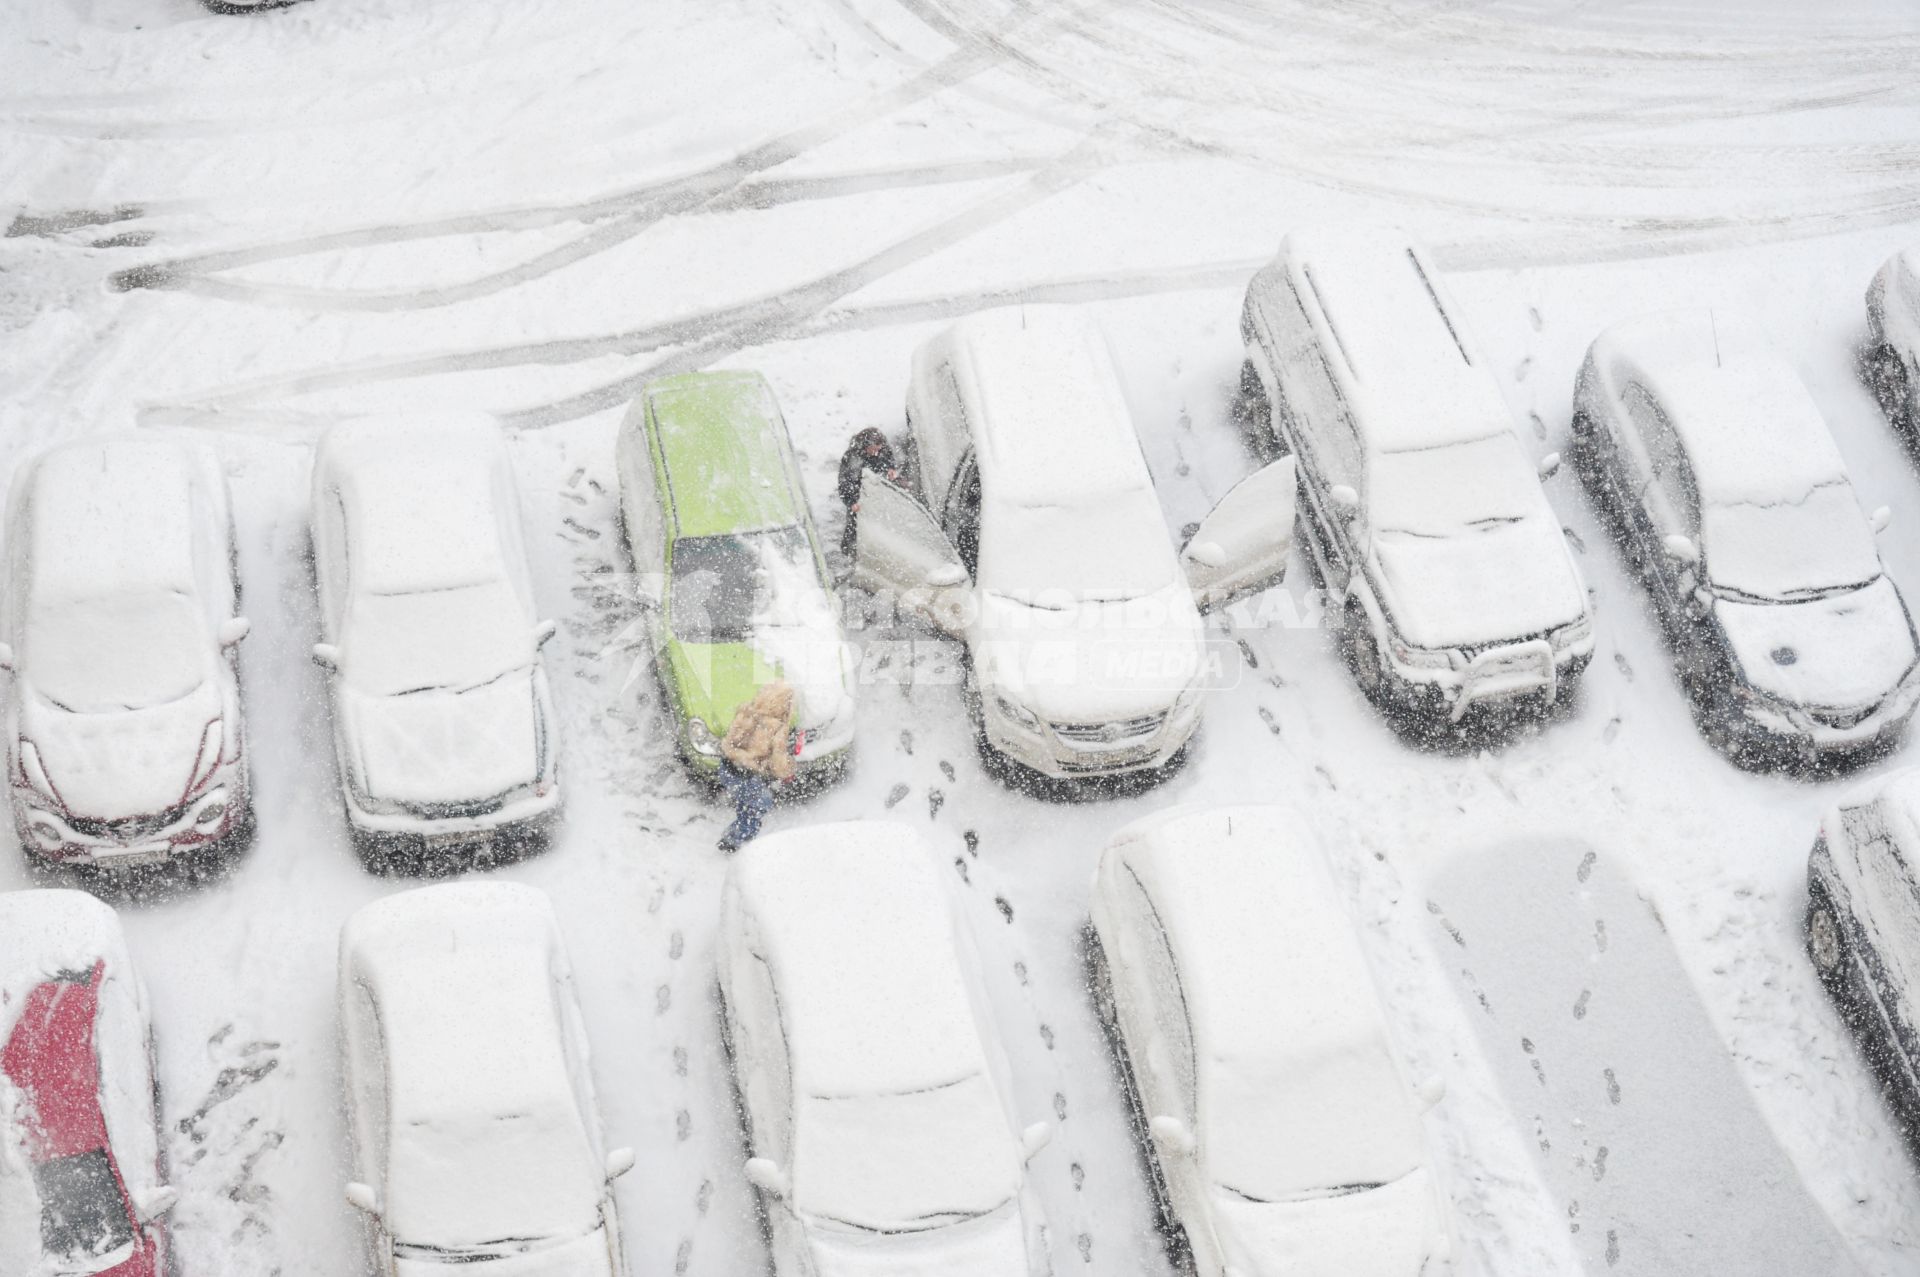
x,y
1362,652
1100,982
1824,943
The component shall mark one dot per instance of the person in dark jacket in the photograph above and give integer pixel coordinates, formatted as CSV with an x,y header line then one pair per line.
x,y
868,451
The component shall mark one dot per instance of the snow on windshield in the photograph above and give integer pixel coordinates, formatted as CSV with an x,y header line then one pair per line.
x,y
439,639
114,653
723,586
906,1159
1101,546
1790,549
795,630
487,1179
83,1220
1308,1127
1479,486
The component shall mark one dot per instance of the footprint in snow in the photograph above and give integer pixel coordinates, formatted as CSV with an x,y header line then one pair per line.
x,y
1020,973
935,798
1253,662
1585,870
1600,1164
1574,539
906,741
1266,716
703,1198
1059,1106
662,999
1525,367
682,1257
895,794
1539,426
1613,1248
1613,1086
1046,1035
972,840
1533,317
1580,1004
1620,662
581,528
959,862
1600,935
682,1125
1078,1173
1006,909
679,1061
1085,1242
1610,731
946,769
676,946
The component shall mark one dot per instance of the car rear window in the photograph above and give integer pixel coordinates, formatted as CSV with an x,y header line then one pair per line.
x,y
82,1215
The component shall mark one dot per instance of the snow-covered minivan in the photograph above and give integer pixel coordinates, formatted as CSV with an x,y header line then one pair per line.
x,y
877,1098
1032,531
1893,334
1284,1137
125,740
1423,515
1714,461
443,724
477,1147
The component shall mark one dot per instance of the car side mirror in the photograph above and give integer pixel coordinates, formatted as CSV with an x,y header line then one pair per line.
x,y
947,574
1344,499
1207,553
619,1162
1035,1138
1880,518
1172,1135
1549,466
363,1198
766,1174
151,1203
326,656
233,629
544,631
1431,1091
6,656
1681,549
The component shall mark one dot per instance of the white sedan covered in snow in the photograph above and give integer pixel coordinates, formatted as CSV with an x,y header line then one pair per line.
x,y
443,723
1034,533
1718,468
1422,514
125,741
1285,1139
876,1095
1893,330
476,1139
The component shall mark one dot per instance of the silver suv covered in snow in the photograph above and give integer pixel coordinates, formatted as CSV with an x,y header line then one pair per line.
x,y
1034,533
1422,514
1863,927
1893,329
125,743
443,724
1728,491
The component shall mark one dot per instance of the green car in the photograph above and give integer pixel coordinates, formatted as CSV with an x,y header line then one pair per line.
x,y
735,589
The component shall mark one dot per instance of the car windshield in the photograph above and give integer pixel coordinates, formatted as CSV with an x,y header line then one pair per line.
x,y
109,655
430,640
1107,546
906,1160
493,1183
1786,551
1317,1127
83,1218
726,586
1453,491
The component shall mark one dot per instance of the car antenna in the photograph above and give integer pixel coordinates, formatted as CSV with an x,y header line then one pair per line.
x,y
1714,323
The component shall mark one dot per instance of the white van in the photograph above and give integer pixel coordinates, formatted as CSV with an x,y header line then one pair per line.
x,y
1424,516
1033,533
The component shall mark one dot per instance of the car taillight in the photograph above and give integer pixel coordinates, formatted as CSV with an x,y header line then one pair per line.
x,y
207,761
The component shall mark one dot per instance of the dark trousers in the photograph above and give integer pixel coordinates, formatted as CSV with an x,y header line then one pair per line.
x,y
849,535
752,800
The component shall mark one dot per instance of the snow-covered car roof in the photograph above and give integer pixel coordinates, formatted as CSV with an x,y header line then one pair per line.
x,y
425,499
1409,363
723,440
463,978
46,932
115,515
1751,430
858,936
1270,965
1902,273
1055,422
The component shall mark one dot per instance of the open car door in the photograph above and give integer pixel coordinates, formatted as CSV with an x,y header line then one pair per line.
x,y
1241,548
899,550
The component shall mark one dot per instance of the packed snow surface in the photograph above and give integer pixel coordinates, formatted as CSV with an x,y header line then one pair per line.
x,y
247,229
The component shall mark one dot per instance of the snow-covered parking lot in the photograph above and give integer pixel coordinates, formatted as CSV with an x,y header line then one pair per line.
x,y
246,228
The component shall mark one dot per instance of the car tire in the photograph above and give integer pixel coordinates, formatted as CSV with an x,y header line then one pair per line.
x,y
1362,653
1826,944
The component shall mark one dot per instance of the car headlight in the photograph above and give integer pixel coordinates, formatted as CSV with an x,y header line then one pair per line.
x,y
46,830
1571,633
1017,712
701,737
1420,658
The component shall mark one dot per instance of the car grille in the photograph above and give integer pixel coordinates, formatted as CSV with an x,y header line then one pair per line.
x,y
459,810
129,828
1844,718
1110,733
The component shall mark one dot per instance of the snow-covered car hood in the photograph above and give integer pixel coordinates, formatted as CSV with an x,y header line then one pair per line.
x,y
1509,582
584,1256
1091,662
445,746
818,662
1389,1231
1839,652
132,763
994,1246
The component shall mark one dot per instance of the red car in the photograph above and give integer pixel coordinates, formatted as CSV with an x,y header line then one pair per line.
x,y
79,1125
